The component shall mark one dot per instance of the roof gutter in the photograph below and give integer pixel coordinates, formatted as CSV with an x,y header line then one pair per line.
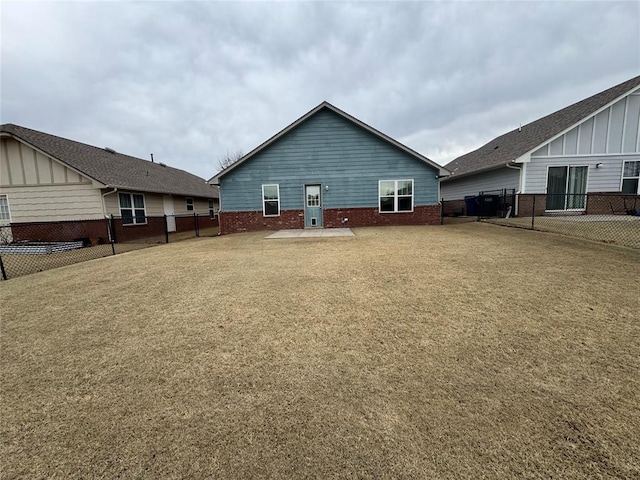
x,y
473,172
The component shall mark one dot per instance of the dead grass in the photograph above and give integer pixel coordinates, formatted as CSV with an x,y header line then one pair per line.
x,y
624,230
462,351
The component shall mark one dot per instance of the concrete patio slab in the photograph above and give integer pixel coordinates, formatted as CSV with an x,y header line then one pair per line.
x,y
313,233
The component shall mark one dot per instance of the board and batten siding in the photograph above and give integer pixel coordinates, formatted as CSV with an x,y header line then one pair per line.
x,y
609,138
607,178
329,150
615,130
481,182
41,189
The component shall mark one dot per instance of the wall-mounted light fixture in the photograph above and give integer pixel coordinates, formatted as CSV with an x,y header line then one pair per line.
x,y
599,165
326,187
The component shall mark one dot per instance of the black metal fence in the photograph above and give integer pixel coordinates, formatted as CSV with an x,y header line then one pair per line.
x,y
610,218
37,246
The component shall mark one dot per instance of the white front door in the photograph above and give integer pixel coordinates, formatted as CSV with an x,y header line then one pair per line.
x,y
169,212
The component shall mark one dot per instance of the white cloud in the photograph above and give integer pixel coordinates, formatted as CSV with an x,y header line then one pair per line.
x,y
190,80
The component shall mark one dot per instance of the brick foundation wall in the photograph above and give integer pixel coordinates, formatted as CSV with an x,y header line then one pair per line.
x,y
369,217
452,207
234,222
607,203
185,224
153,228
525,204
598,203
95,231
207,222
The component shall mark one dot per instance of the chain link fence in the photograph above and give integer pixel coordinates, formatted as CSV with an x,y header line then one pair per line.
x,y
608,218
37,246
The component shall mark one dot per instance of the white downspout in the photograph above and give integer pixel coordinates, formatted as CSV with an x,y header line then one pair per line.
x,y
104,204
104,209
513,167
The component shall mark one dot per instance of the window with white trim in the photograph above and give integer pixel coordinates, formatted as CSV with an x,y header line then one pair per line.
x,y
271,200
5,214
212,208
395,196
631,177
132,209
189,204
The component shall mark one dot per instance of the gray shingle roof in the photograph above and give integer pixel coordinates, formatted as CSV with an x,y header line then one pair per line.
x,y
114,169
510,146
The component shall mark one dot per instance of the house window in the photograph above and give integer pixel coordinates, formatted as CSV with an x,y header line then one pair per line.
x,y
567,187
212,208
189,204
5,215
271,200
631,177
395,196
132,209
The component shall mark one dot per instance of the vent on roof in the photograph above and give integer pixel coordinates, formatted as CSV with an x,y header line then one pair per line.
x,y
162,164
110,150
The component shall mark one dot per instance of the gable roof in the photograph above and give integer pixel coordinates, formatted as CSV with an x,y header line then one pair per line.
x,y
510,146
110,168
326,105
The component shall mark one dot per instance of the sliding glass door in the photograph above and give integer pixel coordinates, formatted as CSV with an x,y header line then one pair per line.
x,y
567,188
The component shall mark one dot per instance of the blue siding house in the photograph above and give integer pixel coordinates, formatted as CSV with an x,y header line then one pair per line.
x,y
328,169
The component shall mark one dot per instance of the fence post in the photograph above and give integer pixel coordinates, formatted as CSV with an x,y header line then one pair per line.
x,y
111,235
195,224
166,229
533,213
113,229
4,273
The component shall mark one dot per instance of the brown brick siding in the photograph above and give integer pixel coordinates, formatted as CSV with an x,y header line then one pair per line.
x,y
234,222
611,202
525,204
153,228
188,223
96,231
598,203
450,207
207,222
369,217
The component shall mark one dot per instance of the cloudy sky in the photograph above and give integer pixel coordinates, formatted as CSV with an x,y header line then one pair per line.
x,y
189,81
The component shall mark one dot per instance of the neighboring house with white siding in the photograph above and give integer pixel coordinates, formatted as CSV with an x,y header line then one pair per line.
x,y
590,147
45,178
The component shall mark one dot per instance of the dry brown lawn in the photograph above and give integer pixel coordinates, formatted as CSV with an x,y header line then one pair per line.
x,y
461,351
623,230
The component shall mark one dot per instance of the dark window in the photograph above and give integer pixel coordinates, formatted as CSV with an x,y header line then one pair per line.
x,y
132,209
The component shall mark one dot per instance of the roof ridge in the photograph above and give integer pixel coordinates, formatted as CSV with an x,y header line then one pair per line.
x,y
347,116
113,169
537,131
586,99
